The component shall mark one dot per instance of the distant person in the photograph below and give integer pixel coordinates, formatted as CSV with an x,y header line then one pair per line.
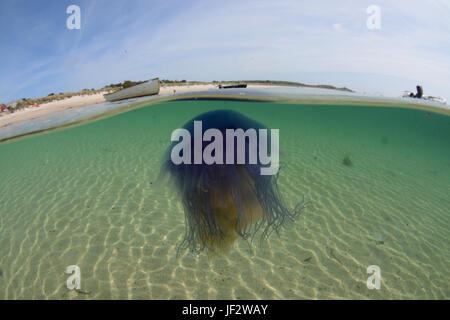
x,y
419,92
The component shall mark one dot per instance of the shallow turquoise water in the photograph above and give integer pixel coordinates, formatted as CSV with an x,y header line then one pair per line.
x,y
86,196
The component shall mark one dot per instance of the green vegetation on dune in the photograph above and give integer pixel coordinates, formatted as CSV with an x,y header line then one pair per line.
x,y
26,102
123,85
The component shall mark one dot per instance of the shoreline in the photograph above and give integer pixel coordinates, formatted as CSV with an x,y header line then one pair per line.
x,y
167,92
31,113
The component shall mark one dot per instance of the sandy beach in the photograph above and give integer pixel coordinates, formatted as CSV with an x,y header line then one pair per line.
x,y
88,100
30,113
80,101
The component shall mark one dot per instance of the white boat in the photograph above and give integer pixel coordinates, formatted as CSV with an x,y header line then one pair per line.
x,y
436,99
419,95
147,88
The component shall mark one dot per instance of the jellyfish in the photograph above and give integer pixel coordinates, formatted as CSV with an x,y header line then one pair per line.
x,y
223,202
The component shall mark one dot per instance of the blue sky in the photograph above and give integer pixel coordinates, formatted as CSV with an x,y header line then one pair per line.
x,y
314,42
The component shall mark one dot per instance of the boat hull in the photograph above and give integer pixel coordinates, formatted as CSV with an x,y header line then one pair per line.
x,y
147,88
